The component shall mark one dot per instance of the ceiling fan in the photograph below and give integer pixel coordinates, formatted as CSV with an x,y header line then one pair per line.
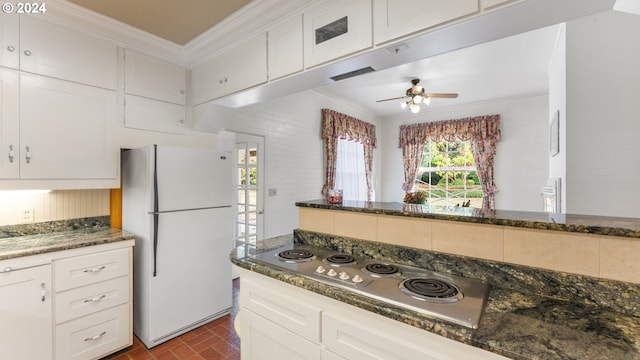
x,y
416,95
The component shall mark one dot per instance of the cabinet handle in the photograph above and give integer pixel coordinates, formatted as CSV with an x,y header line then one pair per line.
x,y
96,337
11,154
44,292
225,79
11,48
7,269
182,92
95,270
27,52
27,156
96,299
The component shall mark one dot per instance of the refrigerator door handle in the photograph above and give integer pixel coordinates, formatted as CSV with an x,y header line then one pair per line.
x,y
156,216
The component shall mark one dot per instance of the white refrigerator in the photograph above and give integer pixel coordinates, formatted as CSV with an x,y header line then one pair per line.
x,y
177,203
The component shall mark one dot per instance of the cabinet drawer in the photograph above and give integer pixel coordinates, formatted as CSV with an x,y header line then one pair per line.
x,y
88,269
286,311
88,299
95,335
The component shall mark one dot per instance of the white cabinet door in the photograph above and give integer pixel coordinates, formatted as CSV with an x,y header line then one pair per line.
x,y
148,114
285,48
66,130
26,314
51,50
154,78
247,64
9,124
207,80
336,28
9,40
264,340
395,18
241,67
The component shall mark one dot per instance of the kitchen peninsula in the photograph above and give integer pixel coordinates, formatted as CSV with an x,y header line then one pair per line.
x,y
531,312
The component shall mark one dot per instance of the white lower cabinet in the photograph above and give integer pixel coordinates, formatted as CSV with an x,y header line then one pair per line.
x,y
67,305
264,340
95,335
25,311
280,321
93,311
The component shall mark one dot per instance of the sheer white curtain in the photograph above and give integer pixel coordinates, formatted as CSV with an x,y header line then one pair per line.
x,y
350,171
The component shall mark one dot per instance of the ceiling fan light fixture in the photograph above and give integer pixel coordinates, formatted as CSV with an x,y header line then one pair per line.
x,y
417,99
403,105
427,101
415,108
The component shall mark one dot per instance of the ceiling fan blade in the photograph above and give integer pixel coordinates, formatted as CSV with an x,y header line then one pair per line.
x,y
396,98
443,95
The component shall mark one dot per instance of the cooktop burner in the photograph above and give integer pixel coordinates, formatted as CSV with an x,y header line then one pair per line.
x,y
296,255
379,270
340,260
451,298
430,289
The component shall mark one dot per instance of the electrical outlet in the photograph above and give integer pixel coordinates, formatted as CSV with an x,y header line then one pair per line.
x,y
27,215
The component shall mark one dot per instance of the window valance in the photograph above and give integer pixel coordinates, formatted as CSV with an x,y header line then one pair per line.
x,y
336,125
479,127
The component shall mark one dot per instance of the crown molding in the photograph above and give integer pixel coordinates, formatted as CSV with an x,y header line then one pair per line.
x,y
252,18
124,35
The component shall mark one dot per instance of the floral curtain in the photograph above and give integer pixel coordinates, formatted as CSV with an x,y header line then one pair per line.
x,y
482,131
336,126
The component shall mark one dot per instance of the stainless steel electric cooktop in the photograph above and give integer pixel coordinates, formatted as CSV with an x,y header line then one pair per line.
x,y
451,298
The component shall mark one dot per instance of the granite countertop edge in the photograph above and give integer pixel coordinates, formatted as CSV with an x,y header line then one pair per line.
x,y
499,330
28,245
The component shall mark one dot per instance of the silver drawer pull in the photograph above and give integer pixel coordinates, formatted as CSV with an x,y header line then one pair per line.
x,y
96,337
95,299
11,153
95,270
44,292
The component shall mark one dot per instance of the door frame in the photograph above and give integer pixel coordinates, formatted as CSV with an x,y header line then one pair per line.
x,y
243,138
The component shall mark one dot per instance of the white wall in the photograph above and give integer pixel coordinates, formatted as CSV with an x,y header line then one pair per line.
x,y
294,150
521,158
603,115
558,102
56,205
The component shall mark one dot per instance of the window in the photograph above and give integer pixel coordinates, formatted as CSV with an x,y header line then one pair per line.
x,y
350,171
448,175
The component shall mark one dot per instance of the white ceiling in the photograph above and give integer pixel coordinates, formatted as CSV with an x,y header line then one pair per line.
x,y
509,67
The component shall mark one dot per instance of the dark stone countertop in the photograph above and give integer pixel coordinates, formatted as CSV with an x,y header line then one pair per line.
x,y
589,224
580,317
18,246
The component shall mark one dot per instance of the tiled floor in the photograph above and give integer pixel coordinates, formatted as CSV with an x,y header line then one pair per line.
x,y
214,341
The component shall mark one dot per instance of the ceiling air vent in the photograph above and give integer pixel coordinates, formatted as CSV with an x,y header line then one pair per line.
x,y
353,73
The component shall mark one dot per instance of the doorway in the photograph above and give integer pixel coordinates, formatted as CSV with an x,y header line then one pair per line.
x,y
249,192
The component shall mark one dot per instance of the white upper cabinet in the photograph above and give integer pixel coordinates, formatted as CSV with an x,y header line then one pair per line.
x,y
396,18
67,130
9,40
154,78
336,28
51,50
285,48
239,68
9,125
148,114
